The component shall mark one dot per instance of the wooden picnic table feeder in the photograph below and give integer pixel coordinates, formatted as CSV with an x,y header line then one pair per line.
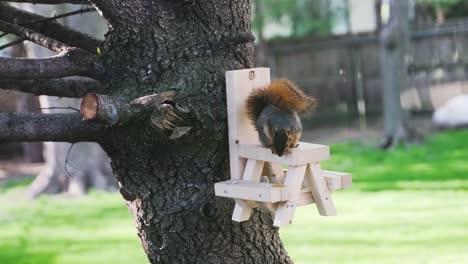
x,y
257,175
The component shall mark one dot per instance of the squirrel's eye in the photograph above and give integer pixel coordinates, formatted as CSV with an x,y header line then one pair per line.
x,y
288,132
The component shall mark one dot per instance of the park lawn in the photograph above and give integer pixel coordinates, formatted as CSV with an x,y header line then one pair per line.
x,y
409,205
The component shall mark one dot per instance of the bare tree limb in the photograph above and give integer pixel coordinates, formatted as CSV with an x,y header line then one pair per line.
x,y
75,88
106,109
73,62
110,110
49,28
51,2
30,127
35,37
166,115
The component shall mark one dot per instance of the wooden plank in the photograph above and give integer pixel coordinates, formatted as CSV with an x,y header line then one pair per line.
x,y
305,198
246,203
337,180
304,154
239,84
252,191
293,181
274,172
319,188
253,172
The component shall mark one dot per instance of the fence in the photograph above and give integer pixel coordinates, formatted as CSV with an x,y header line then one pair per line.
x,y
343,72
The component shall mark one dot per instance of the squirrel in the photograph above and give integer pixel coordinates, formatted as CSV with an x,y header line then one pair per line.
x,y
274,111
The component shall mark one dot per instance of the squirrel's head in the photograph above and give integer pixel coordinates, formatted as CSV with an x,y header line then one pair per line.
x,y
282,140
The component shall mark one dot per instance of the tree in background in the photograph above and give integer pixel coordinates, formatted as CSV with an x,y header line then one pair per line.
x,y
445,9
156,104
394,42
71,169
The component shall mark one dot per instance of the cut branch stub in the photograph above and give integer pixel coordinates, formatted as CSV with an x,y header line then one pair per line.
x,y
172,118
167,115
153,101
89,106
106,109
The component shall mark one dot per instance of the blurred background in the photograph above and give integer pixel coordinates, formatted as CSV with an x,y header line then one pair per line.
x,y
390,77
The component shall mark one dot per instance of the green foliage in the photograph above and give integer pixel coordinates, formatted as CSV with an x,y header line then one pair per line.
x,y
406,206
451,8
305,17
443,3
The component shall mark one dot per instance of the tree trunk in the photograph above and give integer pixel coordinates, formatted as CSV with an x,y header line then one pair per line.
x,y
185,46
394,38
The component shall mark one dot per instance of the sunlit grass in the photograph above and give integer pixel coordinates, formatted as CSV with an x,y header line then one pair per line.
x,y
383,227
409,205
56,229
442,159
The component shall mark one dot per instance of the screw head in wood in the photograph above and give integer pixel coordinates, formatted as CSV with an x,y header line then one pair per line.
x,y
251,75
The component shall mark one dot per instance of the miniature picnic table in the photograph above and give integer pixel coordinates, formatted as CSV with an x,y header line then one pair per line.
x,y
257,175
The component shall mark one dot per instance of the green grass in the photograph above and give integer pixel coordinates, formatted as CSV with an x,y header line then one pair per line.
x,y
57,229
409,205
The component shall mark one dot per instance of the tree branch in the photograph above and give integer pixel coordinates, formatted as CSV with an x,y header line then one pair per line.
x,y
166,115
110,110
30,127
49,28
51,2
35,37
75,88
73,62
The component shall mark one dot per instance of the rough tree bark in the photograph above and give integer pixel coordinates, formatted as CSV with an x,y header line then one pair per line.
x,y
185,46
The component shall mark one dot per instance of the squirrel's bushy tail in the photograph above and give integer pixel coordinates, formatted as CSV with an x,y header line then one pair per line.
x,y
282,93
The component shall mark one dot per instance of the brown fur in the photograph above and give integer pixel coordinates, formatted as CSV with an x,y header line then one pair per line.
x,y
282,93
